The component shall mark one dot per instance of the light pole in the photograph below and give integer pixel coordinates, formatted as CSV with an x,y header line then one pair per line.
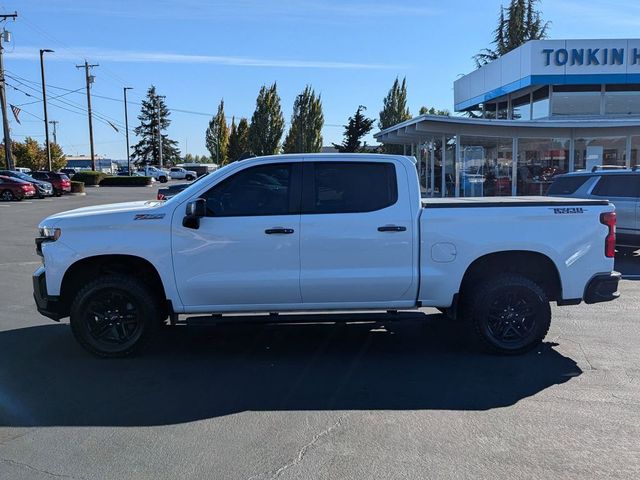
x,y
126,128
158,97
44,102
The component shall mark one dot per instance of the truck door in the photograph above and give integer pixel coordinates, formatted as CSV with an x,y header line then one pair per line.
x,y
246,251
357,243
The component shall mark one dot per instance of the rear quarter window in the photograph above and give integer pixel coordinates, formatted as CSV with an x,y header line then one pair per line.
x,y
617,186
567,185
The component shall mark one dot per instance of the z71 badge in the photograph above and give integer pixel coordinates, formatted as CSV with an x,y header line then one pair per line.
x,y
566,210
149,216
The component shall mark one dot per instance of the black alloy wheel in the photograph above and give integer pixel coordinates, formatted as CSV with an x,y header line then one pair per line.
x,y
510,314
114,315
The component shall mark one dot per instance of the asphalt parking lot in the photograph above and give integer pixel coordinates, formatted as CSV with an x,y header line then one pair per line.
x,y
372,399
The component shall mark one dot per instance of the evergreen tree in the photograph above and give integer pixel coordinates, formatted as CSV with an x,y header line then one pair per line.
x,y
433,111
233,141
517,24
217,137
307,120
267,123
154,112
239,140
394,111
358,127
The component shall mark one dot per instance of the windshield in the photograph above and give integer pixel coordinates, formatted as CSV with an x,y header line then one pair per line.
x,y
196,185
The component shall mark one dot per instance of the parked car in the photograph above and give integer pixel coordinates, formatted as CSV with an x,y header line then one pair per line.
x,y
70,172
153,172
620,186
59,181
43,189
323,232
15,189
179,173
23,170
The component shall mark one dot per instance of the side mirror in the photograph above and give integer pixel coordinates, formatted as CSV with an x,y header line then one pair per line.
x,y
194,211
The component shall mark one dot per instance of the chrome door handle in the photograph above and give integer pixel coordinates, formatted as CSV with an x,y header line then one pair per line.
x,y
278,230
392,228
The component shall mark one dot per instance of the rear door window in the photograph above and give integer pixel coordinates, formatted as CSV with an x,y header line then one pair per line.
x,y
611,186
349,187
567,185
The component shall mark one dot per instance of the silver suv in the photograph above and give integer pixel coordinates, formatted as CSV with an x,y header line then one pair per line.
x,y
620,186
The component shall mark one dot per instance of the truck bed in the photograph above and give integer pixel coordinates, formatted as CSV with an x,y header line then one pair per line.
x,y
530,201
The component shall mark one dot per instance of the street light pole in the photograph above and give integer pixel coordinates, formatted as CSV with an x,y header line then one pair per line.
x,y
89,80
126,128
4,36
55,136
44,102
158,97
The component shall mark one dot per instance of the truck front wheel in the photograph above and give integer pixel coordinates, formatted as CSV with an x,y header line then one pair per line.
x,y
509,314
114,315
163,179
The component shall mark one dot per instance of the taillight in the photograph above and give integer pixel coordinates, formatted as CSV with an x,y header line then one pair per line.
x,y
609,219
26,188
160,196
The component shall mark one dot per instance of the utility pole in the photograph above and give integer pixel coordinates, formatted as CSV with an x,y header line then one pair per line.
x,y
44,102
158,97
5,36
54,123
126,128
89,80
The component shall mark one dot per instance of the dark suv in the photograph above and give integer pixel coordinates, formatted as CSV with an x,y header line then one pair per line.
x,y
620,186
60,181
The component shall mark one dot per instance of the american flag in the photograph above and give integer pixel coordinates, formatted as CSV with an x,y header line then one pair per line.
x,y
16,111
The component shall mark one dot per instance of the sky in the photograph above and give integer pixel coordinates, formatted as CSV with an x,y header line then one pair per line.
x,y
197,52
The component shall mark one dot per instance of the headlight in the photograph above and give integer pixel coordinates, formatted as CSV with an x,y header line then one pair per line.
x,y
50,233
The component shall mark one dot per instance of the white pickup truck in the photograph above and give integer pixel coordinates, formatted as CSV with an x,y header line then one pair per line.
x,y
156,173
295,233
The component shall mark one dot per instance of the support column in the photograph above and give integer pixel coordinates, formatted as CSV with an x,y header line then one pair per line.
x,y
457,164
572,152
628,152
514,167
433,168
443,180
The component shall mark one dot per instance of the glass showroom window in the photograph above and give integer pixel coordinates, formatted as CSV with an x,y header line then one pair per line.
x,y
622,100
539,160
540,105
521,108
590,152
635,150
576,100
486,166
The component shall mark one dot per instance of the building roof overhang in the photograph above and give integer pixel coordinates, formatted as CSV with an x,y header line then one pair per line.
x,y
421,128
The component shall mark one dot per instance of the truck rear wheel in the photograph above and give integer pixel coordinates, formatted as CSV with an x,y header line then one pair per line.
x,y
114,315
509,314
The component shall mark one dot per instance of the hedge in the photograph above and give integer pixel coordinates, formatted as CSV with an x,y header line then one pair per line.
x,y
125,181
89,177
77,187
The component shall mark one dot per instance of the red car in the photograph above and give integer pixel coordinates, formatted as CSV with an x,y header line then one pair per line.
x,y
15,189
59,181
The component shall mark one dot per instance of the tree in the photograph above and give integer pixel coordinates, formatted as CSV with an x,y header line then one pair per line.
x,y
433,111
517,24
29,154
358,127
394,111
307,120
58,158
267,123
239,140
217,136
154,112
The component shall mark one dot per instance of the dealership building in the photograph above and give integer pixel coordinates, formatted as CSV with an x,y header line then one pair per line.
x,y
545,108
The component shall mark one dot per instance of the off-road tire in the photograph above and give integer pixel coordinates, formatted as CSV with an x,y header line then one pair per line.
x,y
503,307
137,294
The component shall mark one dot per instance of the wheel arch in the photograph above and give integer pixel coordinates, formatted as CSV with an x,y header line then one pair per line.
x,y
88,268
534,265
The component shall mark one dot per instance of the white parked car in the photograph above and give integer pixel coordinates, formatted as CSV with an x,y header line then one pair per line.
x,y
323,232
153,172
179,173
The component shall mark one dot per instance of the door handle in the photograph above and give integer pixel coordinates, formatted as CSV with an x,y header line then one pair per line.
x,y
392,228
278,230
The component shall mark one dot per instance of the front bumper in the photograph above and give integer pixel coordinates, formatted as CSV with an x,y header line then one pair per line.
x,y
47,305
602,288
